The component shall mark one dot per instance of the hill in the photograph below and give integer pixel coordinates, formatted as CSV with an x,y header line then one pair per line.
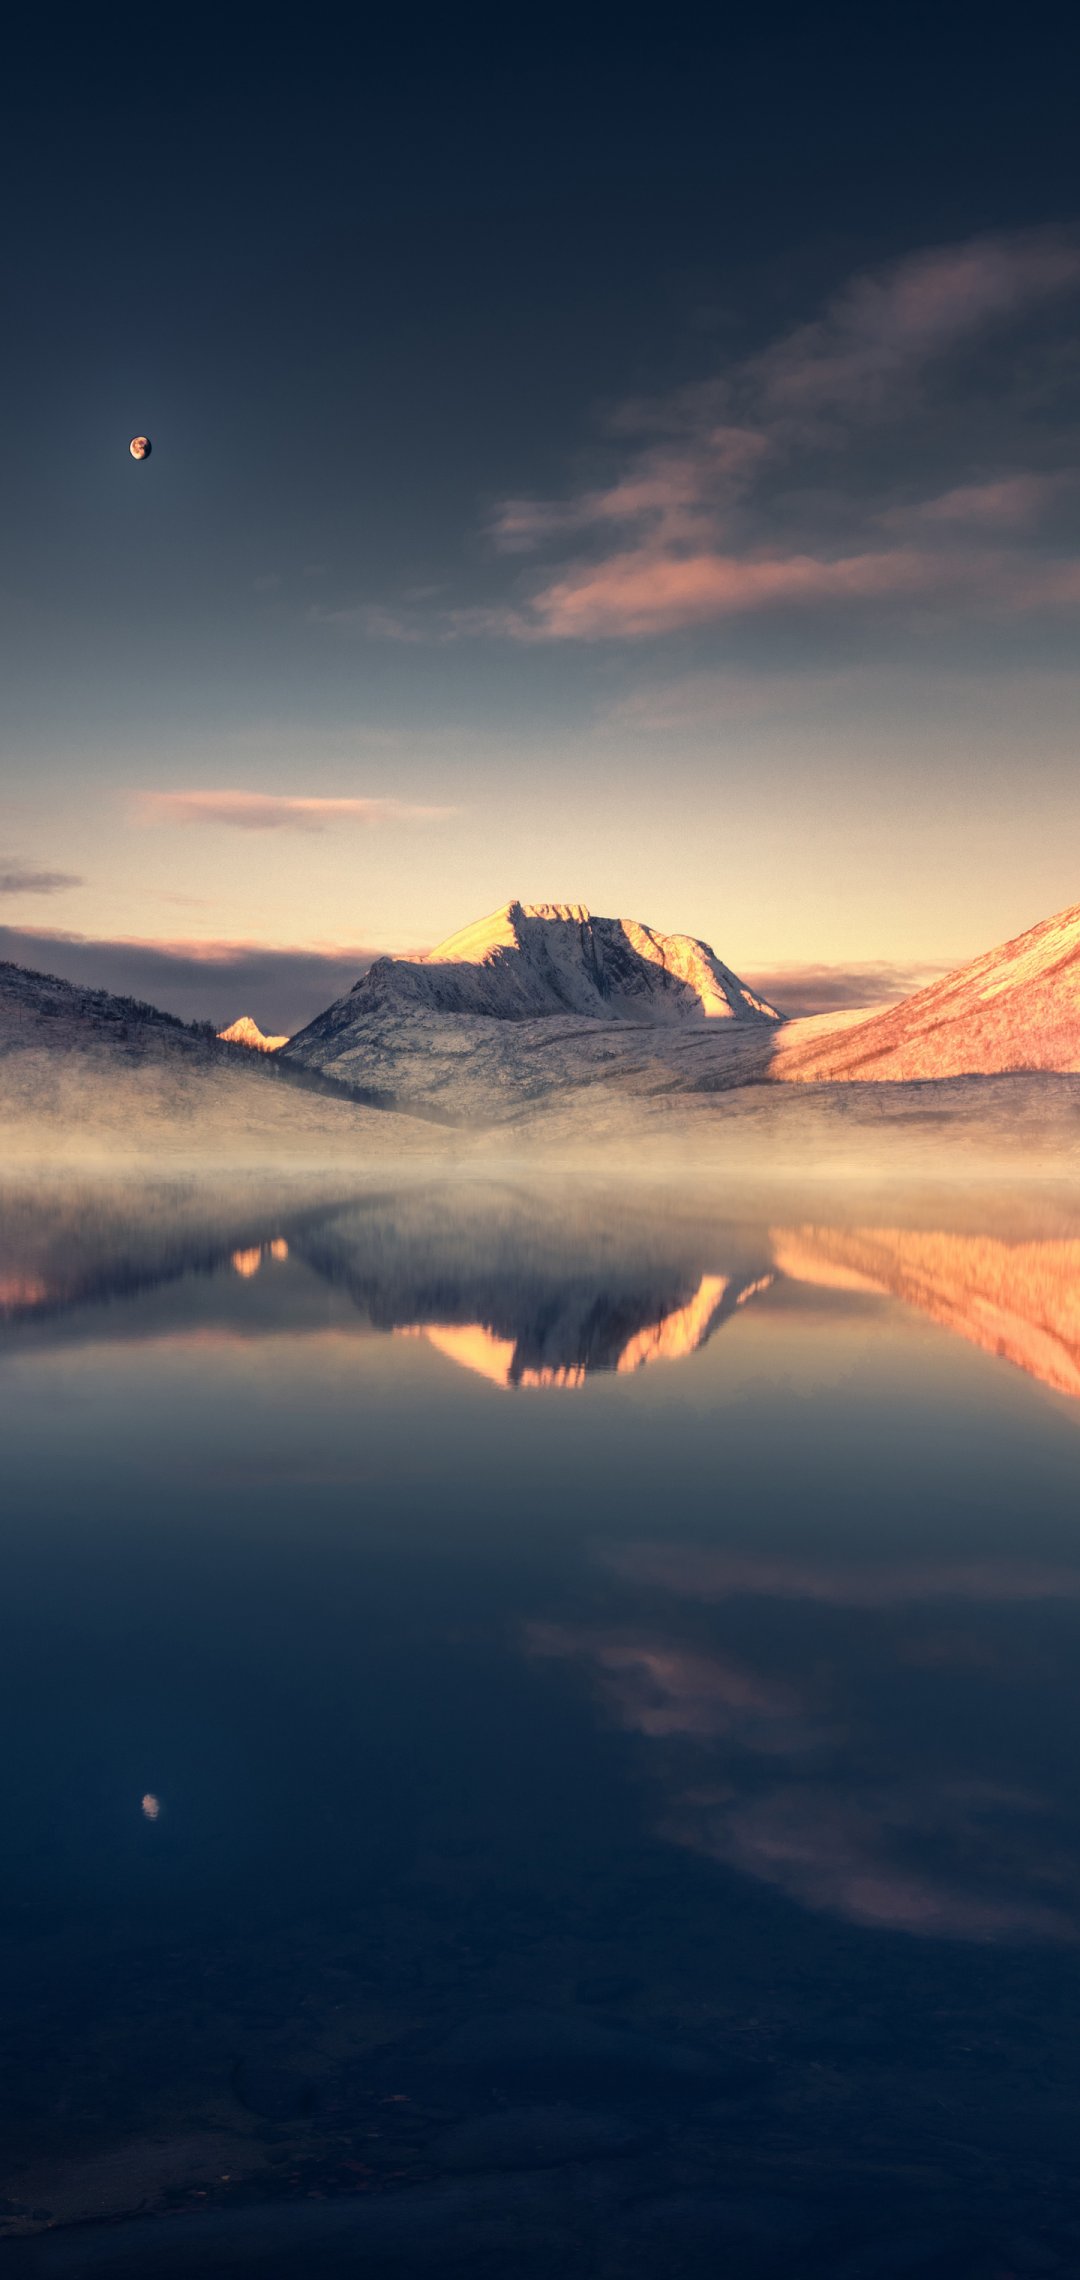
x,y
85,1072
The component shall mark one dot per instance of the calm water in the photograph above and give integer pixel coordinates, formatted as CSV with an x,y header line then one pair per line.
x,y
541,1734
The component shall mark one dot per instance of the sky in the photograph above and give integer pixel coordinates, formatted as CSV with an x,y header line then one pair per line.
x,y
630,464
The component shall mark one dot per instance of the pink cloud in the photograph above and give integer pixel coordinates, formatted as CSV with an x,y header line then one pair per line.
x,y
820,1834
649,591
273,811
688,530
659,1690
838,1854
884,327
673,492
1014,502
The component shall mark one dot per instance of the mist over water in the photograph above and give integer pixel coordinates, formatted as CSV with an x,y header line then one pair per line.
x,y
543,1717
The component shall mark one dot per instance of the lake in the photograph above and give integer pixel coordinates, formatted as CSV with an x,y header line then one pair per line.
x,y
541,1729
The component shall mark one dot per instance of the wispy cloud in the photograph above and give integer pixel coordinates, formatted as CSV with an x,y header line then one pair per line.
x,y
1013,503
772,486
702,1573
660,1689
274,811
860,1854
23,879
769,1778
652,590
877,338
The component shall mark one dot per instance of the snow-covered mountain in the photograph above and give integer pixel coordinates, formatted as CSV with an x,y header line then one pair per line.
x,y
582,1029
247,1032
530,959
533,997
1017,1007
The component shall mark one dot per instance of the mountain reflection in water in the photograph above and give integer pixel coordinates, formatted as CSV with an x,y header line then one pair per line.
x,y
454,1829
528,1292
1020,1300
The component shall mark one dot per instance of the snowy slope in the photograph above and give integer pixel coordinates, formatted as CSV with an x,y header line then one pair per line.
x,y
1016,1007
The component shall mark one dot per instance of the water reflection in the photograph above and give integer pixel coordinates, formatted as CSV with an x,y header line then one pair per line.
x,y
450,1831
530,1290
1020,1300
601,1342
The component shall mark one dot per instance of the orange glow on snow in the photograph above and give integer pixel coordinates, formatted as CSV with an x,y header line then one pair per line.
x,y
678,1334
1018,1300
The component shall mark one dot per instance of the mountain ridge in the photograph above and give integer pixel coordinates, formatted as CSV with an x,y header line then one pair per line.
x,y
546,1017
526,960
532,999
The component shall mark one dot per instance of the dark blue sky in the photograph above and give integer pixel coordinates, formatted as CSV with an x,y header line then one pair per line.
x,y
364,282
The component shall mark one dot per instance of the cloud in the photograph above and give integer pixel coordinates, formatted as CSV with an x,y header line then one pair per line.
x,y
715,1575
273,811
1014,502
804,990
663,1690
771,486
886,327
670,488
844,1853
201,981
652,590
21,879
919,1850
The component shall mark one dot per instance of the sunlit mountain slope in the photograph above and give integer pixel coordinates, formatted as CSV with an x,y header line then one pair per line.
x,y
1017,1007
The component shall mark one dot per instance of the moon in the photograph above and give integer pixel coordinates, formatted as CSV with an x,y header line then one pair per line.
x,y
140,447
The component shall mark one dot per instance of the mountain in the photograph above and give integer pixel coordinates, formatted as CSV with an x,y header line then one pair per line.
x,y
578,1032
536,998
82,1071
247,1032
1015,1008
531,959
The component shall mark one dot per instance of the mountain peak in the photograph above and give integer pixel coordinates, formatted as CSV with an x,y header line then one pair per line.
x,y
506,929
530,960
245,1031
